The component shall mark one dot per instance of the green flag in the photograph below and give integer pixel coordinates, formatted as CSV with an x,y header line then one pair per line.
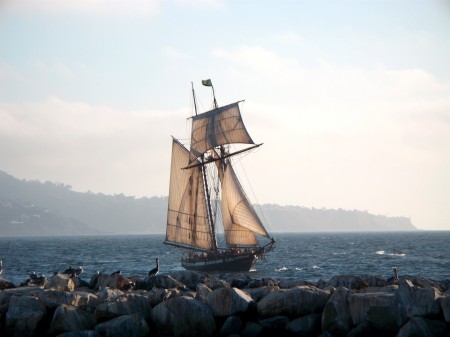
x,y
207,82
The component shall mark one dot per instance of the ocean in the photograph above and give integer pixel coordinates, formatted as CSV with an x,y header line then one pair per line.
x,y
302,256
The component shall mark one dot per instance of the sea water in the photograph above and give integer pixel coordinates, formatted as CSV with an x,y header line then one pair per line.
x,y
302,256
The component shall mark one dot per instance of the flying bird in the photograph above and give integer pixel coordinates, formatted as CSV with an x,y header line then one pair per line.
x,y
154,271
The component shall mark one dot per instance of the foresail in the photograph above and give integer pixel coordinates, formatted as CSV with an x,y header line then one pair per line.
x,y
187,221
239,218
217,127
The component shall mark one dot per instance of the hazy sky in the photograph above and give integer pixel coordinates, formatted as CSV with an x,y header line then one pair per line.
x,y
350,98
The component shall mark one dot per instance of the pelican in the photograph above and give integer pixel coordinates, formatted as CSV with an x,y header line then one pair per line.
x,y
394,269
1,267
154,271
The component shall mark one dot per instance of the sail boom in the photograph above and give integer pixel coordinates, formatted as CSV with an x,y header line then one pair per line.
x,y
213,159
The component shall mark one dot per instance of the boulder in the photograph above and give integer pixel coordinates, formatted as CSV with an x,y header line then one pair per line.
x,y
189,278
348,281
6,284
84,333
126,304
5,295
231,325
69,318
102,281
60,282
55,298
24,316
382,310
159,281
251,329
158,295
264,282
308,325
259,293
197,319
419,326
336,316
107,294
124,326
274,323
293,302
214,283
445,304
228,301
202,292
418,301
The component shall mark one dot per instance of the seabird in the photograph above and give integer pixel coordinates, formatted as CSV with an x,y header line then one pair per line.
x,y
1,267
394,269
117,272
69,271
33,276
78,271
154,271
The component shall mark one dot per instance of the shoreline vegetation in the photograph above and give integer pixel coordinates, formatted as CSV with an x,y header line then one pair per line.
x,y
187,303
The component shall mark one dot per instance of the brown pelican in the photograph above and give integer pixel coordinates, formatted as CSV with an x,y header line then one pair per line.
x,y
154,271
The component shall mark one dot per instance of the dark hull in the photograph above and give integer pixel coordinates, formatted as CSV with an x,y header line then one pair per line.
x,y
227,263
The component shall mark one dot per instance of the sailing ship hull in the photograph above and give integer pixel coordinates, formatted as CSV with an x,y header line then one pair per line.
x,y
226,263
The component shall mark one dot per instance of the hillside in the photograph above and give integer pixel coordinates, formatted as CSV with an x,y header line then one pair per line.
x,y
36,208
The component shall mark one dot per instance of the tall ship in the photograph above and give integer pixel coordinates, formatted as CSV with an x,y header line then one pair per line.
x,y
205,194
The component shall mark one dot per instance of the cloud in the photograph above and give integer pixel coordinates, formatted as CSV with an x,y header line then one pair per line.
x,y
124,8
376,137
88,146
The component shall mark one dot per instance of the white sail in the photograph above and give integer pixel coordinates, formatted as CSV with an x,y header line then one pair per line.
x,y
187,220
217,127
239,218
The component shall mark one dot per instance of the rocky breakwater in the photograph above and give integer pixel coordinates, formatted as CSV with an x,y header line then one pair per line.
x,y
194,304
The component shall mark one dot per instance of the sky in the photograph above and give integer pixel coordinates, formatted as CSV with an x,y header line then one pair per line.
x,y
350,98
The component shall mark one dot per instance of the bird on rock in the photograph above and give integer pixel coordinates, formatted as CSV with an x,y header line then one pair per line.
x,y
154,271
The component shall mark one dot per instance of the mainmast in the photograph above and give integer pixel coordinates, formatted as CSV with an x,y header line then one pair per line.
x,y
205,181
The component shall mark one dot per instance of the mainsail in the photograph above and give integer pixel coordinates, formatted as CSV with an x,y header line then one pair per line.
x,y
187,219
240,220
217,127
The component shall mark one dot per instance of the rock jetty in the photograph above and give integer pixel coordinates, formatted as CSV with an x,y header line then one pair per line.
x,y
188,303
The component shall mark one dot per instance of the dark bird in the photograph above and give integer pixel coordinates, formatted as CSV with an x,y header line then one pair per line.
x,y
33,276
69,271
117,272
154,271
1,267
394,269
129,286
78,271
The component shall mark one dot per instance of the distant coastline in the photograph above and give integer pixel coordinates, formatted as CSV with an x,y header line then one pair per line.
x,y
30,207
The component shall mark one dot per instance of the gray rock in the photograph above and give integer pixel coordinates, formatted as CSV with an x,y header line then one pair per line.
x,y
380,309
197,319
231,325
102,281
24,316
228,301
124,326
336,316
445,304
108,294
214,283
84,333
251,329
276,322
348,281
259,293
60,282
308,325
127,304
5,295
423,327
6,284
293,302
417,301
54,298
159,281
69,318
189,278
202,292
158,295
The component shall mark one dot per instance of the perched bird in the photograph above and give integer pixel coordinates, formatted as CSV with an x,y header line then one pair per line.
x,y
33,276
117,272
78,271
69,271
154,271
129,286
394,269
1,267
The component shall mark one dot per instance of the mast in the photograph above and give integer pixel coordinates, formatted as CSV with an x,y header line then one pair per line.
x,y
205,181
